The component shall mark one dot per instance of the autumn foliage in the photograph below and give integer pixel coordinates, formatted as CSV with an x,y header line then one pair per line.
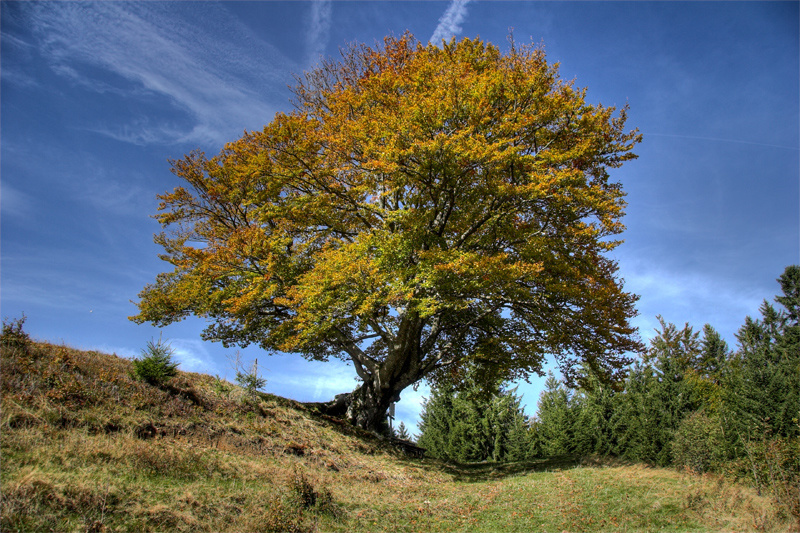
x,y
420,209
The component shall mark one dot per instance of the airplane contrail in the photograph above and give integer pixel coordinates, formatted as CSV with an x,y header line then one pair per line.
x,y
450,22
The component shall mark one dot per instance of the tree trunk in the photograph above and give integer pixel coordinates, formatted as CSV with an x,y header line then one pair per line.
x,y
364,407
369,405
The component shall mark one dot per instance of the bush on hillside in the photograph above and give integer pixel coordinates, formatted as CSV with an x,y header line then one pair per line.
x,y
156,366
698,443
773,465
13,336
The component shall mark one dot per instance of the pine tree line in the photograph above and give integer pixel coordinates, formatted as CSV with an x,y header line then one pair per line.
x,y
470,425
689,401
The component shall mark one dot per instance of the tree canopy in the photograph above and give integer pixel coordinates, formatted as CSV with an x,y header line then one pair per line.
x,y
421,208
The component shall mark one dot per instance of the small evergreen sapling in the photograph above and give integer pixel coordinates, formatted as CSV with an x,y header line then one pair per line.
x,y
402,432
248,379
156,366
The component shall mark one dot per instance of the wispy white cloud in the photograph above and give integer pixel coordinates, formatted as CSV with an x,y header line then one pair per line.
x,y
319,29
109,193
194,356
450,22
225,84
310,381
14,203
721,140
12,41
82,180
13,45
121,351
142,132
689,296
97,281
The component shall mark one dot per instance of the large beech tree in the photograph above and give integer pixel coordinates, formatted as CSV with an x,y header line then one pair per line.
x,y
421,209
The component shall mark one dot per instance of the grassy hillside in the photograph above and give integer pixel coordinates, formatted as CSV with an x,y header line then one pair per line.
x,y
87,448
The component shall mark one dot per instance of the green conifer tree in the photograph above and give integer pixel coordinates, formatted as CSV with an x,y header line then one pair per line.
x,y
593,407
762,383
473,424
435,422
554,419
402,432
714,353
636,416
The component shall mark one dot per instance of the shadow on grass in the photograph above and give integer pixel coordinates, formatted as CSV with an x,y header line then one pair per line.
x,y
412,456
473,472
486,471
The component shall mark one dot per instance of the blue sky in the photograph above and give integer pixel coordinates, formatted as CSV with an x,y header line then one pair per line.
x,y
96,97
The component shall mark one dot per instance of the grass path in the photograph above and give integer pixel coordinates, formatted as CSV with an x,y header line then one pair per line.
x,y
590,498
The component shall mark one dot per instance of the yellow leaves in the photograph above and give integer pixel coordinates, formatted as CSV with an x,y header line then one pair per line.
x,y
358,277
409,178
459,277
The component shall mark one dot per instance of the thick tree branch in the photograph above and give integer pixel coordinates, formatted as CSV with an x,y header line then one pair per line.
x,y
365,365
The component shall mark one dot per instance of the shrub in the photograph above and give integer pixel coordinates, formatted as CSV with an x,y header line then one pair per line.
x,y
773,463
303,489
284,516
13,336
248,379
698,443
221,387
156,365
309,497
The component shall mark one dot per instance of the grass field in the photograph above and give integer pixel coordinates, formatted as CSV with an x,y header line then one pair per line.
x,y
87,448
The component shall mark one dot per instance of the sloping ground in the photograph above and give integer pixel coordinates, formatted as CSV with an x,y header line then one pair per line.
x,y
87,448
